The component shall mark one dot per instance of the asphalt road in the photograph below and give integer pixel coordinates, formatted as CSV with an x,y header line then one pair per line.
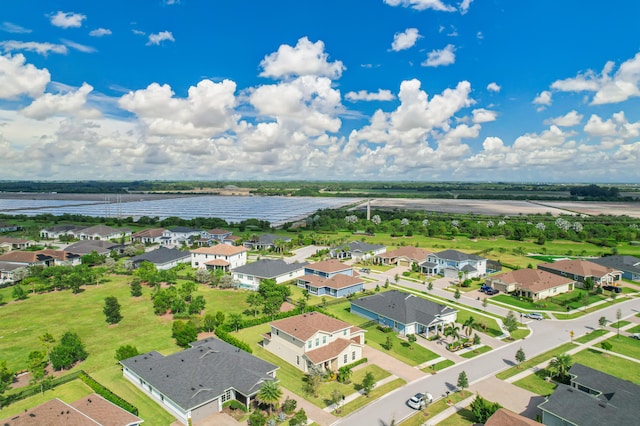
x,y
545,335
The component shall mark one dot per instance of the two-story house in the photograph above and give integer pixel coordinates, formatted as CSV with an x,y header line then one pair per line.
x,y
314,340
179,235
450,263
220,256
330,278
148,236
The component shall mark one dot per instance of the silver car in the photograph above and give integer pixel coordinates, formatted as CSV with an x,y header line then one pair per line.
x,y
534,315
418,400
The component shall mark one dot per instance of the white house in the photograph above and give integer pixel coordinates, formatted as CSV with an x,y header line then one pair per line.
x,y
450,263
220,256
250,275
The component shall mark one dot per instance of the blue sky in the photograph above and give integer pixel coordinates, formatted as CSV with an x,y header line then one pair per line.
x,y
429,90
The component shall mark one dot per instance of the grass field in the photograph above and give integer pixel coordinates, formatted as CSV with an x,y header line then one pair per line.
x,y
625,345
536,383
610,364
591,336
441,365
510,372
436,408
376,393
470,354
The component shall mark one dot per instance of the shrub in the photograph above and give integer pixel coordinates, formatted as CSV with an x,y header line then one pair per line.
x,y
257,418
232,340
289,405
107,394
235,405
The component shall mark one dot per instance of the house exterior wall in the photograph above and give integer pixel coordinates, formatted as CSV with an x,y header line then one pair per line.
x,y
388,322
287,347
549,419
442,264
198,260
171,264
253,281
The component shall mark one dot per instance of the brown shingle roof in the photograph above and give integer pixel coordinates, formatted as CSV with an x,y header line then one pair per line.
x,y
217,262
12,240
58,254
337,281
104,412
149,233
23,256
304,326
218,231
220,250
328,266
328,352
52,413
410,252
579,267
504,417
533,279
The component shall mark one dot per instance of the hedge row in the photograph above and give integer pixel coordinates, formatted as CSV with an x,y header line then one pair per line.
x,y
107,394
223,335
36,389
357,363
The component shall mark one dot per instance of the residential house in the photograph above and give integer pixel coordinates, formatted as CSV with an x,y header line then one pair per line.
x,y
12,272
629,265
89,246
101,232
91,410
504,417
62,257
220,256
194,383
314,340
592,398
266,242
402,256
217,234
405,313
179,235
7,227
10,243
357,250
250,275
232,240
450,263
148,236
535,284
57,231
580,270
330,278
27,258
163,258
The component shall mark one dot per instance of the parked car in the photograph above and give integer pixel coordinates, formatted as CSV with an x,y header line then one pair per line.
x,y
635,336
492,291
365,270
534,315
485,288
614,288
417,401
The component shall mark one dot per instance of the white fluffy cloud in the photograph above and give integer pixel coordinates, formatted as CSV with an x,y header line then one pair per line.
x,y
617,126
464,6
67,19
10,27
305,58
157,38
71,103
363,95
206,112
543,99
100,32
79,47
18,78
438,5
493,87
32,46
482,115
405,40
443,57
570,119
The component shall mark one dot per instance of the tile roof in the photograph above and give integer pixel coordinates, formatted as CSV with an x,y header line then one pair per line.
x,y
337,282
149,233
59,254
504,417
409,252
198,375
578,267
532,279
267,268
12,240
328,266
304,326
220,250
218,231
217,262
329,351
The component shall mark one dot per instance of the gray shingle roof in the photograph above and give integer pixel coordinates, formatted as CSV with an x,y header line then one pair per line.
x,y
622,263
616,404
87,246
403,307
184,230
457,255
266,268
201,373
268,239
161,255
361,246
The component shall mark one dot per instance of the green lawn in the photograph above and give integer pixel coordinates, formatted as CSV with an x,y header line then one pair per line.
x,y
436,408
520,333
634,329
626,346
376,393
610,364
619,324
69,392
551,303
441,365
482,349
462,417
536,383
534,361
591,336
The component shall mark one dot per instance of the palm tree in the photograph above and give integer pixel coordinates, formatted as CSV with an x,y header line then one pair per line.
x,y
269,394
560,365
453,331
468,324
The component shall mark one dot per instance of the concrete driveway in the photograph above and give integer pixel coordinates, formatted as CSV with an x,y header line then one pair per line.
x,y
301,254
510,396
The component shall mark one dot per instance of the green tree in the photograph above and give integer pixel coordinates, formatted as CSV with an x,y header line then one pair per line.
x,y
388,344
136,288
202,276
126,351
184,333
457,294
386,283
147,272
254,300
412,339
485,303
6,379
312,381
520,357
344,374
112,310
336,398
430,286
588,284
463,381
209,324
510,322
257,418
559,367
47,341
453,331
299,419
618,318
235,321
269,394
37,364
602,321
18,292
606,346
483,409
69,351
368,383
468,326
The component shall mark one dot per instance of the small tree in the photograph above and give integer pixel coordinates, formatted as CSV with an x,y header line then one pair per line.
x,y
388,344
336,398
184,333
510,322
476,339
344,374
37,367
299,419
69,351
520,357
618,317
312,381
602,321
136,288
485,303
386,283
368,383
412,339
457,294
559,367
483,409
18,292
463,381
209,324
430,286
112,310
126,351
6,378
606,346
202,276
235,320
269,394
257,418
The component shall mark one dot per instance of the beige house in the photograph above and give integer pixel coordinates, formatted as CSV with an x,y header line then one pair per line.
x,y
402,256
533,283
580,270
315,340
220,256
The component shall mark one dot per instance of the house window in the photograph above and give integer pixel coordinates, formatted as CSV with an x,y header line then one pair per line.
x,y
277,332
317,341
345,358
324,340
226,396
344,333
240,276
297,360
353,355
309,344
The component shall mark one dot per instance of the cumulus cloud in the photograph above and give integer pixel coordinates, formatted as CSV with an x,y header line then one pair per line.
x,y
207,111
363,95
441,57
79,47
570,119
73,103
67,19
19,78
619,87
617,126
10,27
100,32
32,46
543,99
305,58
157,38
482,115
493,87
464,6
422,4
405,39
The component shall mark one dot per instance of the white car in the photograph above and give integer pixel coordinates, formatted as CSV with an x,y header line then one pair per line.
x,y
534,315
417,401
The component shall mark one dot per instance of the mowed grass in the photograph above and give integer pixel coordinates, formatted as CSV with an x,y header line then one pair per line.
x,y
610,364
68,392
626,346
546,356
591,336
470,354
536,383
436,408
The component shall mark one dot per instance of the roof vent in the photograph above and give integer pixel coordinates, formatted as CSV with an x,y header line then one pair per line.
x,y
570,389
603,405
